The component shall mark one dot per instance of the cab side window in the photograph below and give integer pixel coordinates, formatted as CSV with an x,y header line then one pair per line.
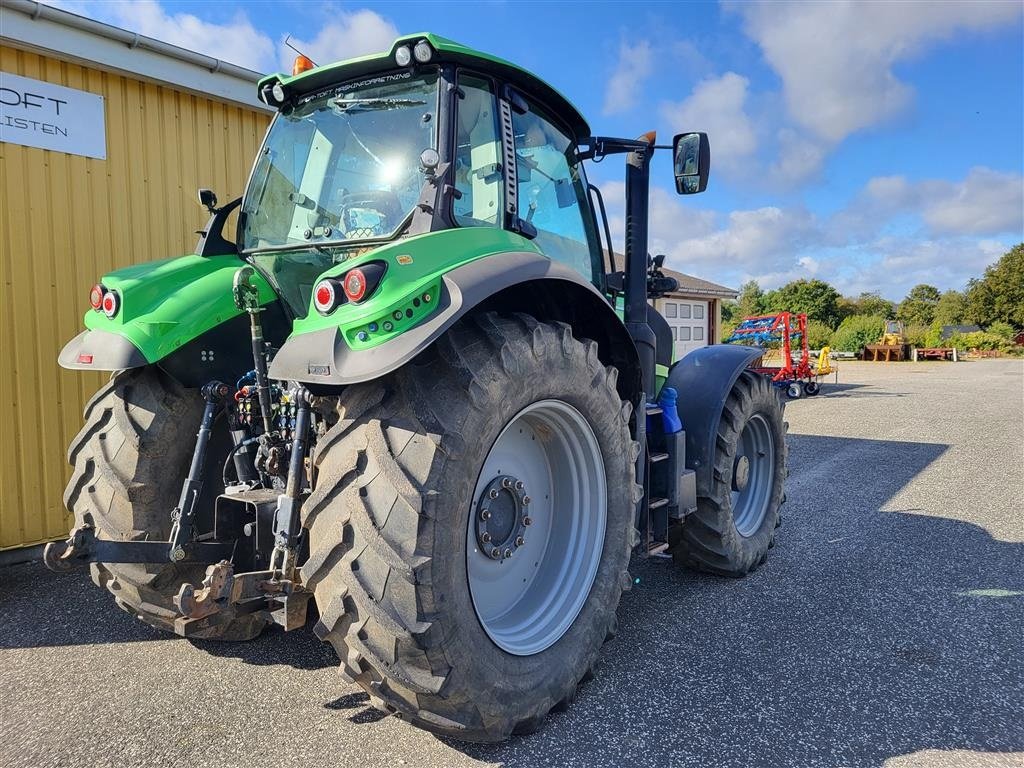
x,y
552,194
478,156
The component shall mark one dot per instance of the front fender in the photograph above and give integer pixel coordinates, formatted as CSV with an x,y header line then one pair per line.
x,y
703,380
326,357
164,305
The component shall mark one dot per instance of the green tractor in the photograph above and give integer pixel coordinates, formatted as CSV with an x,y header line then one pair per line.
x,y
426,397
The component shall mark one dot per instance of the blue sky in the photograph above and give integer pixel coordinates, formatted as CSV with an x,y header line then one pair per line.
x,y
873,145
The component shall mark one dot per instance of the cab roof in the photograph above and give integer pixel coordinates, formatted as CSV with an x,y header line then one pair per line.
x,y
445,51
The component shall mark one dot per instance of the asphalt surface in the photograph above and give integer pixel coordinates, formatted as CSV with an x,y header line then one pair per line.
x,y
885,630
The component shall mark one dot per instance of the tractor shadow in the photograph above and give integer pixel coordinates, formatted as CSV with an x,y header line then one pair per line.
x,y
44,609
868,635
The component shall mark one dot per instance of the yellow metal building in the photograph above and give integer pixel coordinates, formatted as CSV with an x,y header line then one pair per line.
x,y
170,121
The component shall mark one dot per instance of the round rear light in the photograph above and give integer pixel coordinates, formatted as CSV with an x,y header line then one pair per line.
x,y
111,303
325,299
355,284
96,297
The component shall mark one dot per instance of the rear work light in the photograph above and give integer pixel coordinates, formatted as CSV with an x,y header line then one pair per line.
x,y
96,297
111,303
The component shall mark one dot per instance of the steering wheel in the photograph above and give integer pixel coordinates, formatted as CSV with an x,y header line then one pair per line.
x,y
381,201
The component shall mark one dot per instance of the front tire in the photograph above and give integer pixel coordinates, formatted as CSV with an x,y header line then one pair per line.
x,y
734,525
390,527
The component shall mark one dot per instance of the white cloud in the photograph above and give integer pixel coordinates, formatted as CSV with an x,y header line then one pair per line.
x,y
346,36
835,59
799,158
634,65
948,232
236,41
986,202
717,105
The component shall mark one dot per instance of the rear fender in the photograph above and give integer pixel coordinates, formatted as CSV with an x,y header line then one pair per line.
x,y
703,379
505,282
168,309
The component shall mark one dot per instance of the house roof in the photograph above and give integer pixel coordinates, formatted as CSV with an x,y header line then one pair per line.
x,y
949,330
690,285
51,31
695,286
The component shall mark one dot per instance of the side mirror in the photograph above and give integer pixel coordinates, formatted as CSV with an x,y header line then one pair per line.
x,y
691,153
208,199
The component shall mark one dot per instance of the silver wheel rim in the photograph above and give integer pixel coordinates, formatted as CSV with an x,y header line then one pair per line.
x,y
753,476
528,596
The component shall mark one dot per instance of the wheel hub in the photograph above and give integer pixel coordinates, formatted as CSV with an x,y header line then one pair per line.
x,y
501,517
740,473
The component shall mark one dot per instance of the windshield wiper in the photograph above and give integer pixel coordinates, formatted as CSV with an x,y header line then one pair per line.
x,y
369,105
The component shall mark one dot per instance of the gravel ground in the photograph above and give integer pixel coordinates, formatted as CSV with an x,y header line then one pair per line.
x,y
885,629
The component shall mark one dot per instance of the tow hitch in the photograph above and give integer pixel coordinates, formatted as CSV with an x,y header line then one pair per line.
x,y
225,595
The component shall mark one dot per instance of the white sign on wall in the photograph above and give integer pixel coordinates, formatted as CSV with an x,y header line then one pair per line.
x,y
34,113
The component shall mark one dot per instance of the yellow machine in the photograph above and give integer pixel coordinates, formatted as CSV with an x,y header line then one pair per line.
x,y
824,367
894,334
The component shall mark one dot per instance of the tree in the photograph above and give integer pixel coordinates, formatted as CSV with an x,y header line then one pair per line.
x,y
873,304
815,297
730,312
999,294
918,308
949,310
750,301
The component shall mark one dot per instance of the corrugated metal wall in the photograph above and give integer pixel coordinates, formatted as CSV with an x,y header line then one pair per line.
x,y
65,221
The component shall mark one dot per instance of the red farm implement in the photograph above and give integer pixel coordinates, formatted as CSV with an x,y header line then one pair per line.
x,y
782,330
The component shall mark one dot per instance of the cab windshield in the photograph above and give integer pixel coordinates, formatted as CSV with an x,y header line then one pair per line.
x,y
343,165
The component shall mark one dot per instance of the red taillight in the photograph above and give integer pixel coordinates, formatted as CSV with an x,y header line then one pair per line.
x,y
111,303
96,297
325,297
355,284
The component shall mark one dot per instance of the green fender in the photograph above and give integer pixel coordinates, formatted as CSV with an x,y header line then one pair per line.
x,y
163,306
430,282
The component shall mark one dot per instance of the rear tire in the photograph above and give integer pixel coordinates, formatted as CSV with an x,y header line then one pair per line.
x,y
130,460
811,388
732,530
389,522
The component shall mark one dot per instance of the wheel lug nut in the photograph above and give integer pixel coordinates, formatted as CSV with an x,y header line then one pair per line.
x,y
485,514
495,553
506,482
520,541
485,537
493,494
508,553
519,485
527,520
526,500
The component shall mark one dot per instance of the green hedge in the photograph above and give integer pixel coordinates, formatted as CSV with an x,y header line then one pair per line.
x,y
857,331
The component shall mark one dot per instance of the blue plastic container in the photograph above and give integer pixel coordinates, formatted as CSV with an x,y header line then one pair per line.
x,y
669,411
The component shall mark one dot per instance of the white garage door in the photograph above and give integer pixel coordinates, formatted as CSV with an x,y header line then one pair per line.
x,y
689,323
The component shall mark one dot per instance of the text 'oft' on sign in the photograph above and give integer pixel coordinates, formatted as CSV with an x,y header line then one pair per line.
x,y
38,114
